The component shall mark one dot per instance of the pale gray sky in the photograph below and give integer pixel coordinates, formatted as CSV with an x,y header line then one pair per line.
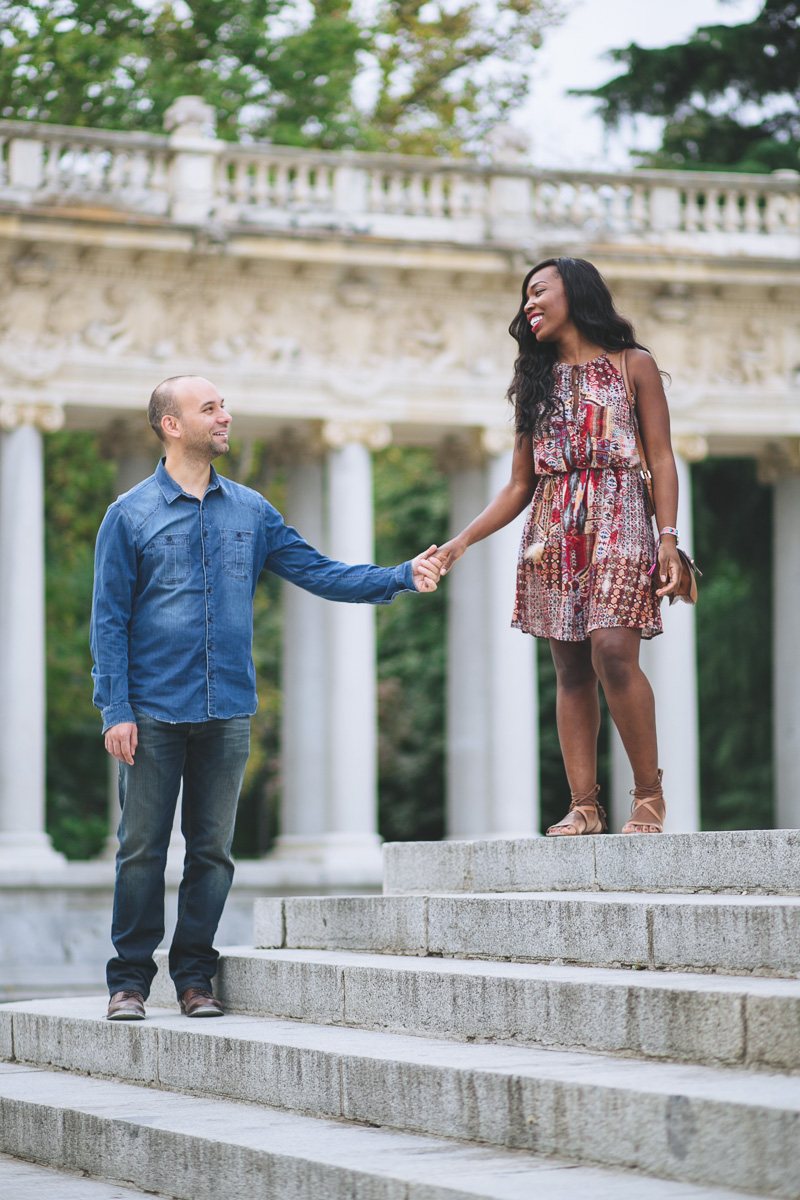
x,y
562,129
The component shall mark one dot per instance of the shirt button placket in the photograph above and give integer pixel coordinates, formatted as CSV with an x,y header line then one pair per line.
x,y
211,686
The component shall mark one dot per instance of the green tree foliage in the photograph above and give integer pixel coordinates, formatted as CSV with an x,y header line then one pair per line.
x,y
446,73
121,65
418,75
733,520
79,488
729,97
412,508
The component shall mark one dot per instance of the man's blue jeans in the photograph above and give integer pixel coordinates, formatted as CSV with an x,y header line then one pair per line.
x,y
210,758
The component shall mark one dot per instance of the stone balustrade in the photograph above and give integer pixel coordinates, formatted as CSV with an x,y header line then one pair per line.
x,y
55,164
192,177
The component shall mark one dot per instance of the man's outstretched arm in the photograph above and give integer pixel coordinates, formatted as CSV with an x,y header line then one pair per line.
x,y
291,557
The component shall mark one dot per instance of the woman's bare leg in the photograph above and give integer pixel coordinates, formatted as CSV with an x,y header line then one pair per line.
x,y
577,712
615,658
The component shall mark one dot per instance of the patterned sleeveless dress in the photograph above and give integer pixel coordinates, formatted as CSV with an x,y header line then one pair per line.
x,y
588,543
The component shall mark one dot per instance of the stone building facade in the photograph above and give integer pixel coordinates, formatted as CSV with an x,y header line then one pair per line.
x,y
342,302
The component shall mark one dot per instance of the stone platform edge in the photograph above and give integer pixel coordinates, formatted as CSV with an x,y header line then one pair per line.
x,y
758,861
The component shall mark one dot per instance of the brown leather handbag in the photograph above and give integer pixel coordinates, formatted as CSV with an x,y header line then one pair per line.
x,y
687,584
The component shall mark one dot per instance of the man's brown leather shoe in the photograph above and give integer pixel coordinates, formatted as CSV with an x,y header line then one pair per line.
x,y
126,1006
198,1002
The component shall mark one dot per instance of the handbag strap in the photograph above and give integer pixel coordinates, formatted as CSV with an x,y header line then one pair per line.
x,y
691,566
630,396
644,470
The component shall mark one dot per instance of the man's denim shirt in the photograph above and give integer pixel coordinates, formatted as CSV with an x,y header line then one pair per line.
x,y
172,612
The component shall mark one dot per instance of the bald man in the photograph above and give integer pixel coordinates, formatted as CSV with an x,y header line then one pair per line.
x,y
176,566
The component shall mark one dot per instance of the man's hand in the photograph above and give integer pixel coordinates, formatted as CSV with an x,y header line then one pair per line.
x,y
426,570
122,740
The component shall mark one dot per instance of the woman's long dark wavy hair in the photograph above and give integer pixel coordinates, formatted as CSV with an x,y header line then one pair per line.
x,y
591,307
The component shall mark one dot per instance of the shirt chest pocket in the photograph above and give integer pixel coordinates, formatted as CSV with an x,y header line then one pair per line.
x,y
169,556
237,553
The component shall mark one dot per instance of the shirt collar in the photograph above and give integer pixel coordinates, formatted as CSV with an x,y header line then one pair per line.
x,y
171,490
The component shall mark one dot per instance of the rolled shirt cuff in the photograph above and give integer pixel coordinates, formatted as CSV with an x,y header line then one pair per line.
x,y
405,577
117,714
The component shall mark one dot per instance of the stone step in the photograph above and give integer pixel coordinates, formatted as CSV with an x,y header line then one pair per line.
x,y
746,860
663,1016
20,1180
732,934
716,1128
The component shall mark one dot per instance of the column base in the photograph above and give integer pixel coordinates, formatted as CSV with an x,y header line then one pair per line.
x,y
29,852
355,858
110,848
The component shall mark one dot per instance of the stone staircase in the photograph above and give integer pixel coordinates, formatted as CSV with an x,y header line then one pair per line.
x,y
591,1018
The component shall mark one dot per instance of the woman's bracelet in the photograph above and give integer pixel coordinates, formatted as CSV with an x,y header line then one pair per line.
x,y
669,529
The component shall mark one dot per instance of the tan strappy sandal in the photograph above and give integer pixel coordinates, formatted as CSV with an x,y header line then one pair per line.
x,y
648,809
585,815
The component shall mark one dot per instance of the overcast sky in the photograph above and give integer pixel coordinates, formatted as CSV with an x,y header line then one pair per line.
x,y
563,131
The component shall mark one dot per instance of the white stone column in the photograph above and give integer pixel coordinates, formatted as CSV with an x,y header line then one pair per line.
x,y
670,663
468,766
492,720
513,717
24,843
352,820
304,807
786,653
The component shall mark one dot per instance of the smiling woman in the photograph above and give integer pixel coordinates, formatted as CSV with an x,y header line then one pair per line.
x,y
588,552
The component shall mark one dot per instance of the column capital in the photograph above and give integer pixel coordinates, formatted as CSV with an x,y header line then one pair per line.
x,y
779,460
49,418
375,435
498,439
692,447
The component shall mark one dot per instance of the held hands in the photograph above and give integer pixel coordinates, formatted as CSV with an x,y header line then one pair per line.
x,y
122,740
426,568
449,554
668,566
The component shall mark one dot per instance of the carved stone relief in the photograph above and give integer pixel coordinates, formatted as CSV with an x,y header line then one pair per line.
x,y
355,335
354,325
30,349
720,341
